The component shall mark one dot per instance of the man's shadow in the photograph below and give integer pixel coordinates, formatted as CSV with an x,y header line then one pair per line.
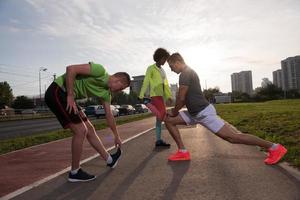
x,y
77,190
179,169
126,183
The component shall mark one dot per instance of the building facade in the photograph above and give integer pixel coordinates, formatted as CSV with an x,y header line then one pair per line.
x,y
242,82
136,84
174,90
277,78
291,73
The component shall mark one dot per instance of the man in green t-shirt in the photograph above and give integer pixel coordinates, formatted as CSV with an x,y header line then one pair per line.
x,y
82,81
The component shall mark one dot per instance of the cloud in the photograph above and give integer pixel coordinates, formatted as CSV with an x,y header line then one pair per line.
x,y
216,37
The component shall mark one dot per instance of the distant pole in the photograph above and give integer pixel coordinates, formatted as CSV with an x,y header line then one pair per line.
x,y
41,69
205,85
284,94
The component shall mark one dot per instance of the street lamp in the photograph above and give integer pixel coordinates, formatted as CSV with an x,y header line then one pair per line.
x,y
41,69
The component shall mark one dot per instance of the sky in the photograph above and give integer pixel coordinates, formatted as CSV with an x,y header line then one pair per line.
x,y
216,37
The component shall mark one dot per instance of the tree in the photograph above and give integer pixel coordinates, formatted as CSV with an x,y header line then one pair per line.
x,y
293,94
6,95
238,96
120,98
132,98
269,92
23,102
210,92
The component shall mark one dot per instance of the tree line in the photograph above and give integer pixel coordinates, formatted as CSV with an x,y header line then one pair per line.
x,y
269,92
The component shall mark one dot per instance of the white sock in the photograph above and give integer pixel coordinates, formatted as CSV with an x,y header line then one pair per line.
x,y
274,146
109,160
182,150
73,172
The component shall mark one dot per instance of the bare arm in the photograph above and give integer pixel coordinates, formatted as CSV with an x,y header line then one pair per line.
x,y
180,100
110,119
72,72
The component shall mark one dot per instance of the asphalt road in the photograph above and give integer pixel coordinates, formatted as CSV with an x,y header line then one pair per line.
x,y
218,171
12,129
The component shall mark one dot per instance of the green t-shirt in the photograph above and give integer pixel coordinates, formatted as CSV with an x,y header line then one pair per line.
x,y
93,85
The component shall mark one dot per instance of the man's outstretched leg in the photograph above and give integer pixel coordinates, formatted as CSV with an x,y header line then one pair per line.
x,y
210,120
171,124
275,151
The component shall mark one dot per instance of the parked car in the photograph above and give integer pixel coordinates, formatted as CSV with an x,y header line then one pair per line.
x,y
2,112
90,110
126,110
117,106
140,108
101,112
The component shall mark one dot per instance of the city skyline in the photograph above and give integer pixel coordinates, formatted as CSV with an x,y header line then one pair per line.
x,y
215,38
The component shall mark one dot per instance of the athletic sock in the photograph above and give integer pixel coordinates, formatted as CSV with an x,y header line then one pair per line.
x,y
73,172
274,146
158,130
109,160
183,150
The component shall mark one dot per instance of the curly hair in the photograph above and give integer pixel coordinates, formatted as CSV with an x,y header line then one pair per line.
x,y
160,53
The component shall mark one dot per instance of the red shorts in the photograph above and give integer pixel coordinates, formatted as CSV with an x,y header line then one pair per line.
x,y
157,107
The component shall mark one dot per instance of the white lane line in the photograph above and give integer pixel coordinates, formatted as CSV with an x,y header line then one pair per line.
x,y
44,180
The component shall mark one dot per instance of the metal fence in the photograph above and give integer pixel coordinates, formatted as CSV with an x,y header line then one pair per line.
x,y
18,114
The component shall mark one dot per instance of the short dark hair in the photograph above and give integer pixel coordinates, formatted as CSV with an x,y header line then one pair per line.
x,y
160,53
176,57
124,77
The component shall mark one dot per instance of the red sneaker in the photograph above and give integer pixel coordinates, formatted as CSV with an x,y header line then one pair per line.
x,y
180,156
275,155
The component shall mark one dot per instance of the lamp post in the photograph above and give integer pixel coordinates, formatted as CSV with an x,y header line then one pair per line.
x,y
41,69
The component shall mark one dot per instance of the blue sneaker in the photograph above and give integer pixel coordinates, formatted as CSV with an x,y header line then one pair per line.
x,y
115,157
80,176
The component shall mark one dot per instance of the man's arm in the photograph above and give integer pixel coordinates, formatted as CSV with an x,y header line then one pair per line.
x,y
180,99
110,119
72,72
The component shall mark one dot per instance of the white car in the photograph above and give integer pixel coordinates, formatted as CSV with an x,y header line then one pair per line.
x,y
101,112
28,111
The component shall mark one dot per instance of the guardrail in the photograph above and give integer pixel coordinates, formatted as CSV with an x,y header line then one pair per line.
x,y
18,114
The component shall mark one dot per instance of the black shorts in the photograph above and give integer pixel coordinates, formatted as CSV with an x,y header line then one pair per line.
x,y
56,100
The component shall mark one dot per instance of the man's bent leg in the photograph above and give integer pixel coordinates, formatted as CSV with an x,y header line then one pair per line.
x,y
79,133
182,154
171,124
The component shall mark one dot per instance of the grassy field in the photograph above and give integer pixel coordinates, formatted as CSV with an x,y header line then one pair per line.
x,y
23,142
277,121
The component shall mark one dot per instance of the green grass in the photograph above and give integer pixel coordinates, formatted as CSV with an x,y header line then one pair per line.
x,y
277,121
23,142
